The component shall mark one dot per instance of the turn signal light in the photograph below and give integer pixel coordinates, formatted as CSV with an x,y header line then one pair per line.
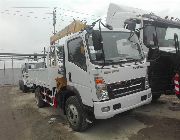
x,y
99,81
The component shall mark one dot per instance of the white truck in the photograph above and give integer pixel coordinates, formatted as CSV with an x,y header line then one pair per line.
x,y
24,83
160,42
103,74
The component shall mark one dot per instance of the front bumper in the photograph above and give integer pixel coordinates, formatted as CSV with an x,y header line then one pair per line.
x,y
127,102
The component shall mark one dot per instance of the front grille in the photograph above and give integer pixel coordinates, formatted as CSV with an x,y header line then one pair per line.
x,y
124,88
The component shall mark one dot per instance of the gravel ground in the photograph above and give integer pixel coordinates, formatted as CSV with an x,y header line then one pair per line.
x,y
20,119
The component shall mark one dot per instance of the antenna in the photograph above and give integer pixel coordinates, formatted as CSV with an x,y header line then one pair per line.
x,y
54,20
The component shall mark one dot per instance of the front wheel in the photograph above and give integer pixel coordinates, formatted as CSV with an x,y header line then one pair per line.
x,y
75,114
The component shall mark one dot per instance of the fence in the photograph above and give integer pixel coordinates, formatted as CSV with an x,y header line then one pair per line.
x,y
10,76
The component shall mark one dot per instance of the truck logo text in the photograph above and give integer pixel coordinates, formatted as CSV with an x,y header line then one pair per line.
x,y
138,67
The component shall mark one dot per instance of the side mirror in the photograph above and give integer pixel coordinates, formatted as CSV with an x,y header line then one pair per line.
x,y
176,42
130,24
97,40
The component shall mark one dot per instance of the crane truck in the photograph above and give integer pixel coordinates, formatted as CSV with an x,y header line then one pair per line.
x,y
92,74
159,38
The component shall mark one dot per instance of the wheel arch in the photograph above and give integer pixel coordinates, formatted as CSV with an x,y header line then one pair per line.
x,y
65,93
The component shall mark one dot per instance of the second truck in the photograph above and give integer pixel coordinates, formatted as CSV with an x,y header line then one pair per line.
x,y
159,38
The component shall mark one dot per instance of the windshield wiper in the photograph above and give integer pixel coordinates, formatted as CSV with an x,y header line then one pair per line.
x,y
134,59
116,61
102,61
103,64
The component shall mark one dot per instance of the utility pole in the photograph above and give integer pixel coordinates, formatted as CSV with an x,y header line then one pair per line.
x,y
54,21
4,68
13,70
44,57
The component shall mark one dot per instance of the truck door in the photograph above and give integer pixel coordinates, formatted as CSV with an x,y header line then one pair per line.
x,y
76,68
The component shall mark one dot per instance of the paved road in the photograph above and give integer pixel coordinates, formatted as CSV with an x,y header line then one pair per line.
x,y
11,123
20,119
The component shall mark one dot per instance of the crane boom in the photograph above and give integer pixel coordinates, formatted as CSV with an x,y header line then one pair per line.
x,y
74,27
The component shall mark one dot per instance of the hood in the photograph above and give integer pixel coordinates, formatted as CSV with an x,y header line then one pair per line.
x,y
127,72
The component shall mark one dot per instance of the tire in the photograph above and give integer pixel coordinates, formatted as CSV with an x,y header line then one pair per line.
x,y
40,103
75,114
155,97
24,88
33,88
20,85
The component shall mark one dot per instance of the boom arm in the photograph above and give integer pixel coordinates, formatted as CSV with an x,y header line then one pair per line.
x,y
74,27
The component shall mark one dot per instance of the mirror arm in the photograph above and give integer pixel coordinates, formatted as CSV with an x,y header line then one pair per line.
x,y
102,43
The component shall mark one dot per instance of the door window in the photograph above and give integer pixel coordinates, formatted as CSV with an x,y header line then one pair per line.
x,y
76,53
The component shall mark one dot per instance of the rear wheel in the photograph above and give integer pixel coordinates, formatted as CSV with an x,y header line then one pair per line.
x,y
40,103
20,84
75,114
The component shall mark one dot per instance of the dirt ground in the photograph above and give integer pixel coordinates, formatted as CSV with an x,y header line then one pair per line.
x,y
20,119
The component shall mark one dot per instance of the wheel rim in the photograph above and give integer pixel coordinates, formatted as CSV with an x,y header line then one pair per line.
x,y
37,101
72,115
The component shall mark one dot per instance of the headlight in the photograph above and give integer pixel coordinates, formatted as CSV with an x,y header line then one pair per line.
x,y
102,94
146,82
101,89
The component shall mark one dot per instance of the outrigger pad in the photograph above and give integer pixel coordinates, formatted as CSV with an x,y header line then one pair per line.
x,y
60,83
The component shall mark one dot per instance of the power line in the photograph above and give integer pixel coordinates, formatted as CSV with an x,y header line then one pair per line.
x,y
19,13
29,14
32,7
78,12
72,11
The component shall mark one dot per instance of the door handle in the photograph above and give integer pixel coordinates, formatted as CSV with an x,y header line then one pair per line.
x,y
70,76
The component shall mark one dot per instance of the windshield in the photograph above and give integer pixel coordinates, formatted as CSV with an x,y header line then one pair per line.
x,y
117,47
165,36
